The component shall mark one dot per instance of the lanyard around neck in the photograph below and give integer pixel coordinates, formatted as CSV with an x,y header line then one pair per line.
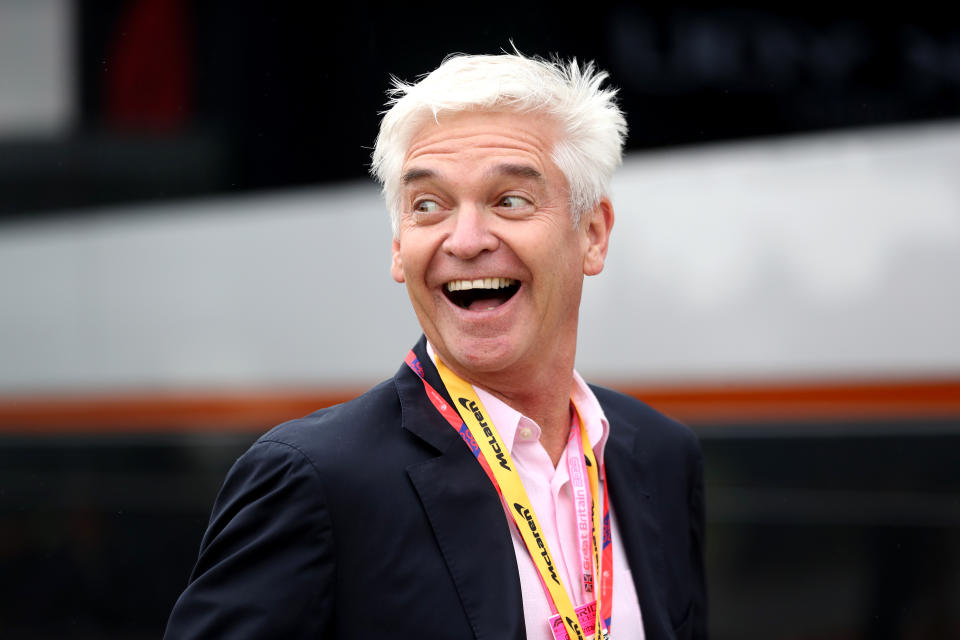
x,y
471,421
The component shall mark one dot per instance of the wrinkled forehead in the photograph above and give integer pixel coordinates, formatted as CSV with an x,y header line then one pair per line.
x,y
482,147
538,129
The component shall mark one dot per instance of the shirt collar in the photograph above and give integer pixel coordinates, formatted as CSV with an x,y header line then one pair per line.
x,y
508,420
598,427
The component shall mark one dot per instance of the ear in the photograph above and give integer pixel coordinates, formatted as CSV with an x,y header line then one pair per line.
x,y
396,264
597,225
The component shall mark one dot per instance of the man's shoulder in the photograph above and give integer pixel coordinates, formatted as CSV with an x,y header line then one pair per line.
x,y
351,425
627,413
626,406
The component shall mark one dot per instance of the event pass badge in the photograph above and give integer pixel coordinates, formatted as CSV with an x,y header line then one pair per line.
x,y
586,617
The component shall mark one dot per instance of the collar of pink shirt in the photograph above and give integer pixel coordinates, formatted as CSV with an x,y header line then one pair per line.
x,y
514,427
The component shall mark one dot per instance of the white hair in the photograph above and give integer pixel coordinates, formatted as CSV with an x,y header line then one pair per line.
x,y
590,145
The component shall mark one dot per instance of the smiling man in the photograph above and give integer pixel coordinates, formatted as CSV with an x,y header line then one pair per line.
x,y
486,491
492,260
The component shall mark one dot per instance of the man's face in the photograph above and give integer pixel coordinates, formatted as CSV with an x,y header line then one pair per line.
x,y
492,262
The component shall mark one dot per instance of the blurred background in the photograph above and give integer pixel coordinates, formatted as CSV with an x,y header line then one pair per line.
x,y
191,252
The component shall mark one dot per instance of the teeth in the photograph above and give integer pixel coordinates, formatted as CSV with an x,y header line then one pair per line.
x,y
480,283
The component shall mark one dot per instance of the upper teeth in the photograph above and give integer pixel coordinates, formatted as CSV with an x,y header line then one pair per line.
x,y
480,283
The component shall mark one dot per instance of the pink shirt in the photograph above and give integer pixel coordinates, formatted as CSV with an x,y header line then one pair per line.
x,y
549,490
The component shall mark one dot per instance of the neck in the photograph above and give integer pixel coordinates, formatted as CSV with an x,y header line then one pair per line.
x,y
549,408
542,393
539,389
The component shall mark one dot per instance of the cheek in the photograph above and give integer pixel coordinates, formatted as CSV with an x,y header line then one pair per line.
x,y
413,260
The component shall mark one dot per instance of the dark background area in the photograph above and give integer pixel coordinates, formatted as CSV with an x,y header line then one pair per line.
x,y
180,98
815,531
821,531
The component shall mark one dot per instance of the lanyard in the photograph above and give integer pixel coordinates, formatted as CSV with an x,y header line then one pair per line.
x,y
469,419
583,507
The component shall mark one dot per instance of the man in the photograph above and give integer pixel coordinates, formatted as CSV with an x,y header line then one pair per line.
x,y
485,491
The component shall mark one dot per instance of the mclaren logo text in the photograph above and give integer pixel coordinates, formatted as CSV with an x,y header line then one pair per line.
x,y
523,511
576,627
472,407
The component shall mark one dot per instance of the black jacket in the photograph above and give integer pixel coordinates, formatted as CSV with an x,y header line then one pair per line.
x,y
372,519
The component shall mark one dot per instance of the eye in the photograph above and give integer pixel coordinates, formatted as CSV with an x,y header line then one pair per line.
x,y
426,206
513,202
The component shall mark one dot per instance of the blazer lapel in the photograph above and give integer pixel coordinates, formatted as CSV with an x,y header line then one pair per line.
x,y
465,512
632,497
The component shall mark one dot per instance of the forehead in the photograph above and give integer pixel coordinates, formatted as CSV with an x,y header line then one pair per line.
x,y
475,138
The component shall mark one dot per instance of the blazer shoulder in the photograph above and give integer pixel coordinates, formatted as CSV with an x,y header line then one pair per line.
x,y
626,412
348,427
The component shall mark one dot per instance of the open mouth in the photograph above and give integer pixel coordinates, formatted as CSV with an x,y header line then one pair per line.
x,y
481,294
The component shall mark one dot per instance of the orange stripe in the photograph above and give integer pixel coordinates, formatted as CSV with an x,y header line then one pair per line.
x,y
162,411
792,403
258,410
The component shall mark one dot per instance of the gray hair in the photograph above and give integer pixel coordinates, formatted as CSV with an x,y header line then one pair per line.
x,y
593,127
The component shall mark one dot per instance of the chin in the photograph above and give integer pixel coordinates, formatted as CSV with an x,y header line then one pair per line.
x,y
481,355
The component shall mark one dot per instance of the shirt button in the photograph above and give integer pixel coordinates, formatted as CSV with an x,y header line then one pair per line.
x,y
526,432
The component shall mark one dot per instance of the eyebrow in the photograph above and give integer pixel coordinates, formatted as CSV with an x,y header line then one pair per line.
x,y
418,174
516,170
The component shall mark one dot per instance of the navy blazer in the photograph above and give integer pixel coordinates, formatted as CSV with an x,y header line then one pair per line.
x,y
372,519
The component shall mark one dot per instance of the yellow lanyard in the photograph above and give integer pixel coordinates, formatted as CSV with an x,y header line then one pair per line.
x,y
499,461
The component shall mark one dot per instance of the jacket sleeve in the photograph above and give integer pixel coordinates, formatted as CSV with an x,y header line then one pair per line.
x,y
266,562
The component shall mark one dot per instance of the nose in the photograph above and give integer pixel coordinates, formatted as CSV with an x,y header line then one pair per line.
x,y
471,234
